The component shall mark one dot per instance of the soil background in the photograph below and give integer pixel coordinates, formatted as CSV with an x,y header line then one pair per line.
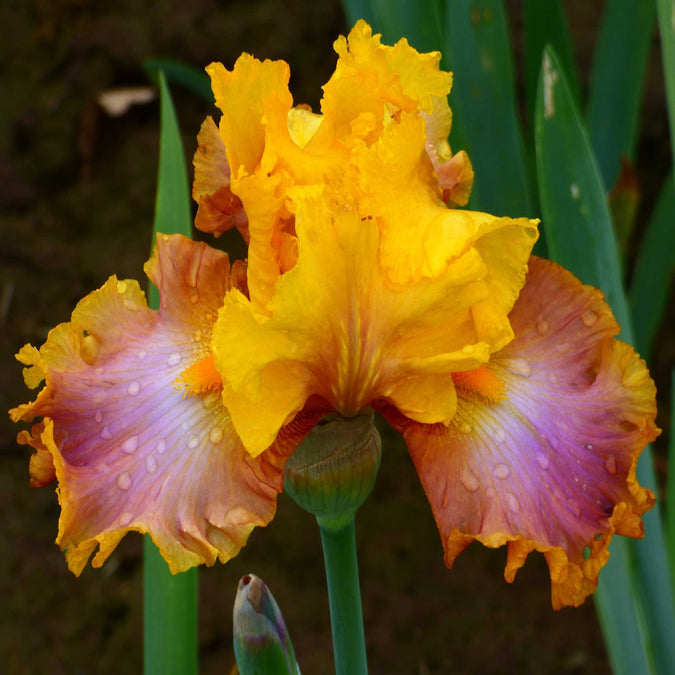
x,y
77,191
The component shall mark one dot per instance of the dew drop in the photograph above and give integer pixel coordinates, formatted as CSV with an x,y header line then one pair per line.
x,y
161,447
99,371
589,318
501,471
468,349
216,435
193,443
98,416
542,326
194,298
141,355
542,460
469,480
150,464
121,287
174,359
574,191
589,446
124,481
184,426
466,427
563,347
134,388
520,366
209,400
610,464
444,501
512,503
197,336
126,518
130,445
105,433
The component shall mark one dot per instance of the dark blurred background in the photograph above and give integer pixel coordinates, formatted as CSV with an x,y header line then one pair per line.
x,y
76,205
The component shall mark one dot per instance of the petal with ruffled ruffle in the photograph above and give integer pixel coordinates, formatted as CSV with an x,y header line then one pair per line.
x,y
339,329
541,454
130,449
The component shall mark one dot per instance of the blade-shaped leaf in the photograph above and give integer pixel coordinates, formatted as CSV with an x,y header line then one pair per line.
x,y
670,487
419,22
581,237
651,283
194,79
358,9
545,24
617,82
169,601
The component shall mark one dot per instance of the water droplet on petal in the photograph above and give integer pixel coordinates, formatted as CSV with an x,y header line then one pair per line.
x,y
197,336
130,445
194,298
105,433
161,447
216,435
589,318
468,349
574,191
501,471
126,518
520,366
142,354
512,503
589,446
174,359
121,287
444,501
134,388
209,400
610,464
466,427
469,480
542,460
542,326
124,481
193,443
563,347
150,464
98,416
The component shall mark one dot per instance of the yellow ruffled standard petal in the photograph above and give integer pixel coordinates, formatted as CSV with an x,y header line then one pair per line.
x,y
379,81
339,329
219,210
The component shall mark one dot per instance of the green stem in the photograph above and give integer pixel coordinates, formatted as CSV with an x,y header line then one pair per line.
x,y
344,597
170,617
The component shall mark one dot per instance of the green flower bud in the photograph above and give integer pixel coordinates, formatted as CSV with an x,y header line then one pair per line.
x,y
262,645
333,470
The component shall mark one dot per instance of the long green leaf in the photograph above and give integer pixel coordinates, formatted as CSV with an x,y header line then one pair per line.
x,y
169,601
666,14
545,24
670,486
581,237
358,9
617,82
483,100
194,79
653,273
420,22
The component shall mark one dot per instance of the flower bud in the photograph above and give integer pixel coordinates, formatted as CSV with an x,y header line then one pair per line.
x,y
261,642
333,470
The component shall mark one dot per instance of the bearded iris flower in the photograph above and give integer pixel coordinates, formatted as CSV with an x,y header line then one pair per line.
x,y
363,289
